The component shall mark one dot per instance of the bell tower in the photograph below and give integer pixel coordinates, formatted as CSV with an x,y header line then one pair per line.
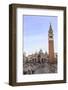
x,y
51,44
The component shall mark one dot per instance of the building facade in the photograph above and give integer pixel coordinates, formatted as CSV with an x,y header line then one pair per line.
x,y
38,57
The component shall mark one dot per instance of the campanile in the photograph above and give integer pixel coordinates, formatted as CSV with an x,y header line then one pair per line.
x,y
51,44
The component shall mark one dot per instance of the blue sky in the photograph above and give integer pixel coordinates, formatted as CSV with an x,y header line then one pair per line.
x,y
36,33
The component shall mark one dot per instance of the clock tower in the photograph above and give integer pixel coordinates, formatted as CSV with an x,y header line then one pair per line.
x,y
51,45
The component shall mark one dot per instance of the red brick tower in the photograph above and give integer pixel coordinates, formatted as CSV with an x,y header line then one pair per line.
x,y
51,45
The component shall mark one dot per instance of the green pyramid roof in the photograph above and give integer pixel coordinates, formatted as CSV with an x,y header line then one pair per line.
x,y
50,29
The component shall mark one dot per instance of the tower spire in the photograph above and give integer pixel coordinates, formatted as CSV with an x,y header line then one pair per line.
x,y
50,29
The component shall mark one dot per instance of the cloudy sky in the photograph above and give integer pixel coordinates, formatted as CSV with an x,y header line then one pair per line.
x,y
36,33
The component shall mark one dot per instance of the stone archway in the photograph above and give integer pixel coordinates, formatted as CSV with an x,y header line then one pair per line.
x,y
39,58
